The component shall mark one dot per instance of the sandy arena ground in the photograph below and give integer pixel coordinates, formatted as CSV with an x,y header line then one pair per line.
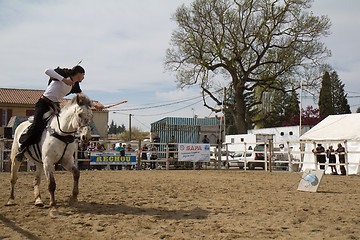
x,y
181,204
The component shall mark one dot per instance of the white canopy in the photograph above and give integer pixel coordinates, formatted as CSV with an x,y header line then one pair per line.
x,y
332,130
335,127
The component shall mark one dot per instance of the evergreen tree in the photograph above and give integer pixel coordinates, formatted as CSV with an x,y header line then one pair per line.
x,y
114,129
326,105
284,106
340,103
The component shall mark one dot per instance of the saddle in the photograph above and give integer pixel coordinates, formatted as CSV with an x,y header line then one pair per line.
x,y
46,117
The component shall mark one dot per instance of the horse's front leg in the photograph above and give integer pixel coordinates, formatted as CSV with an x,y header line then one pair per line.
x,y
69,165
38,201
73,199
49,173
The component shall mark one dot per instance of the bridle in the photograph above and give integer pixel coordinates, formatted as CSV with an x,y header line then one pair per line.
x,y
73,132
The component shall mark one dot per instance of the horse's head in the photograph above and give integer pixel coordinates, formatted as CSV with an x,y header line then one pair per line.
x,y
82,117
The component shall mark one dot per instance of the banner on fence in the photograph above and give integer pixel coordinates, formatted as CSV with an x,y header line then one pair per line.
x,y
112,158
194,152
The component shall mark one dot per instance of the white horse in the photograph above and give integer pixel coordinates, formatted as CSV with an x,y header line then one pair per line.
x,y
56,145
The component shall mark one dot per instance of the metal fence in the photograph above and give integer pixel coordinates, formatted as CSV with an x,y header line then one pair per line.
x,y
295,156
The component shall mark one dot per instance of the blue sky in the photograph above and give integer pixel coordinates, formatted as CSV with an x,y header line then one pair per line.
x,y
123,45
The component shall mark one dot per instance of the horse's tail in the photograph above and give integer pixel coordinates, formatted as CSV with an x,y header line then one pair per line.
x,y
16,143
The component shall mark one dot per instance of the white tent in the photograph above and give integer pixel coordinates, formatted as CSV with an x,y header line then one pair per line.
x,y
336,129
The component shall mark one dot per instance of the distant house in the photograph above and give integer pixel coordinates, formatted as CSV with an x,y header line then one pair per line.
x,y
16,102
20,103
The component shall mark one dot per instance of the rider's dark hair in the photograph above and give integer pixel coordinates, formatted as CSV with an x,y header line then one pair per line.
x,y
74,70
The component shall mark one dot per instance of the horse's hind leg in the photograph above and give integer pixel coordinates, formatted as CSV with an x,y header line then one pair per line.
x,y
15,165
38,201
69,165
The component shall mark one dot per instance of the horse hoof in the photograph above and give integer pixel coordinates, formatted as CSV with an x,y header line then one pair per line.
x,y
39,203
53,213
11,202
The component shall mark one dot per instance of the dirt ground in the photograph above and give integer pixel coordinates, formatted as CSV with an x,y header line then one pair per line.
x,y
185,204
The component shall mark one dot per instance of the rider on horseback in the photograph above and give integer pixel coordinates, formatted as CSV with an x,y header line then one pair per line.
x,y
63,81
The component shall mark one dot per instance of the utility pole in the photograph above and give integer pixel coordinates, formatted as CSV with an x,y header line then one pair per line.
x,y
223,112
129,127
300,123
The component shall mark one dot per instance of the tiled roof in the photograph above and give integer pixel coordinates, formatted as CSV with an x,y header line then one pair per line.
x,y
20,96
27,96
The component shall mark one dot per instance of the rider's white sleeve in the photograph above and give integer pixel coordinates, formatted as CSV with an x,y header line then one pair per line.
x,y
51,73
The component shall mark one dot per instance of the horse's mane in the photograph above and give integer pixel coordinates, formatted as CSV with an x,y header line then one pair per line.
x,y
80,99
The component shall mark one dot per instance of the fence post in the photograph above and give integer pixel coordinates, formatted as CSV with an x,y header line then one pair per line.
x,y
218,166
167,157
290,162
346,158
227,156
302,155
2,151
245,156
315,156
265,157
271,151
138,155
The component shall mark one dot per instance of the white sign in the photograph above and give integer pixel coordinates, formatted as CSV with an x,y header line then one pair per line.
x,y
194,152
310,180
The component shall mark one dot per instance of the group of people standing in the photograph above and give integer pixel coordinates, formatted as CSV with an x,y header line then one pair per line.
x,y
330,154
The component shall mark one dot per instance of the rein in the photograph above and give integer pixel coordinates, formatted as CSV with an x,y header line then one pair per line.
x,y
73,132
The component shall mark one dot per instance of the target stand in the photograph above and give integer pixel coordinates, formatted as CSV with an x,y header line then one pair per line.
x,y
310,180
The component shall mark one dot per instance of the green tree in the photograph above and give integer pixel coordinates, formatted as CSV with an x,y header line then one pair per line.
x,y
247,45
339,99
136,134
114,129
332,98
326,104
283,107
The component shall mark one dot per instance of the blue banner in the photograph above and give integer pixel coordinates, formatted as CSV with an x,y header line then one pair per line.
x,y
112,158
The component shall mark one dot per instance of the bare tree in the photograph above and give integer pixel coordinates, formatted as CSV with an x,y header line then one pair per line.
x,y
251,45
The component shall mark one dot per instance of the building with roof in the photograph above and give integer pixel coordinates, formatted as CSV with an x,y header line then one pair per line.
x,y
20,103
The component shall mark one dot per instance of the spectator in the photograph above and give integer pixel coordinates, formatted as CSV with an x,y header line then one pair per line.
x,y
153,156
320,157
341,150
129,148
172,146
206,139
282,148
121,149
91,147
332,159
81,155
144,151
99,147
283,153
